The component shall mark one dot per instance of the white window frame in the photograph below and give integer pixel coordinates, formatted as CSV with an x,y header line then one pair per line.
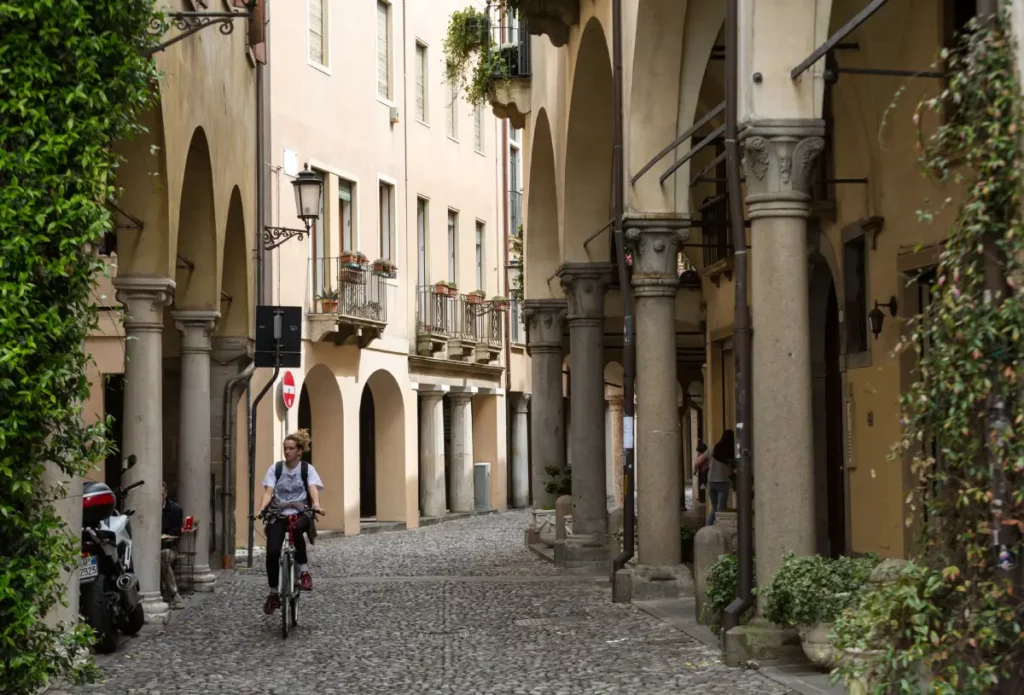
x,y
480,264
354,203
389,99
426,81
393,183
479,134
357,209
452,112
324,67
452,243
514,185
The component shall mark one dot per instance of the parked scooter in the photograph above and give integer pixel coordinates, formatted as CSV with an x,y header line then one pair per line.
x,y
110,590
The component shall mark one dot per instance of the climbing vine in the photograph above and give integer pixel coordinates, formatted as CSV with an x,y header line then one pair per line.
x,y
73,83
952,623
474,63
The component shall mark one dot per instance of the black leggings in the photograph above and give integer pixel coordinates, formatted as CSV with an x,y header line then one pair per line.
x,y
276,533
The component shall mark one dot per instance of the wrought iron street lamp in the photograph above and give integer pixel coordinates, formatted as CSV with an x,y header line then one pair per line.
x,y
876,317
308,193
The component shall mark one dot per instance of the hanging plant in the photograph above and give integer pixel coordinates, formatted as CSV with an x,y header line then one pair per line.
x,y
473,62
965,636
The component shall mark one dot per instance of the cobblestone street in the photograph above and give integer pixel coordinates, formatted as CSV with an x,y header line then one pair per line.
x,y
457,608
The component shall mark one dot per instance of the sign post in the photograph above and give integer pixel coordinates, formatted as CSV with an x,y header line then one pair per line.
x,y
278,344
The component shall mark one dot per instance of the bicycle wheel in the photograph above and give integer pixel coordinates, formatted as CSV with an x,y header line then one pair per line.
x,y
285,592
295,609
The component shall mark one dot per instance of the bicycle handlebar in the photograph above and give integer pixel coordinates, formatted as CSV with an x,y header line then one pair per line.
x,y
265,513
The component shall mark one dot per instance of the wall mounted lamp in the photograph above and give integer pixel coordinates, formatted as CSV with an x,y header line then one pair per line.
x,y
308,192
876,317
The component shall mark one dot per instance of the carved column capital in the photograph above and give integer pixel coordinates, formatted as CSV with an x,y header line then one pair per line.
x,y
779,157
654,242
196,328
545,322
584,285
521,402
614,402
144,299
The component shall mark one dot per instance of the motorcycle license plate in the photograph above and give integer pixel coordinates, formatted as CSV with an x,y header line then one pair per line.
x,y
87,567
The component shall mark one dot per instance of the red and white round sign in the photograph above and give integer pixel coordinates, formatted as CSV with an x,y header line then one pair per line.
x,y
288,390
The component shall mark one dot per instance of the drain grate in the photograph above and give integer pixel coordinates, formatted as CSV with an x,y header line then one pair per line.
x,y
555,620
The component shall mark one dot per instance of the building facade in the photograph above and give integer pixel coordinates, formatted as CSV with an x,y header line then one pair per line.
x,y
832,186
407,332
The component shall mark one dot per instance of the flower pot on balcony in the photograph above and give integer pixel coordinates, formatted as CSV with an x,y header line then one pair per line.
x,y
453,291
473,298
441,289
499,303
346,257
329,306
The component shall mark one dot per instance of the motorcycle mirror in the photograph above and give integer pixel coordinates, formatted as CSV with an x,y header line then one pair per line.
x,y
130,512
132,460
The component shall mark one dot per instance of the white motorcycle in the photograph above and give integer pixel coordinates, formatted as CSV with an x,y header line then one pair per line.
x,y
109,599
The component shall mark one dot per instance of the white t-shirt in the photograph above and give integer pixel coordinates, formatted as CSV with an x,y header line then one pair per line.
x,y
288,489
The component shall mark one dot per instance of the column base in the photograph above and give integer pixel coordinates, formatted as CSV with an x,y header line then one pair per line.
x,y
531,535
154,610
651,583
588,551
762,642
203,579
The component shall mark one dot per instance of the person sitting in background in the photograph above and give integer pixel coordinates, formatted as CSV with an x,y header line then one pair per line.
x,y
170,530
701,466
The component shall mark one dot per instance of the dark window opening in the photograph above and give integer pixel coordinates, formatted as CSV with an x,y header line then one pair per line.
x,y
855,253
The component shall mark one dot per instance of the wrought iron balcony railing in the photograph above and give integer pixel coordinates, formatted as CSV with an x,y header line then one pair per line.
x,y
353,294
509,44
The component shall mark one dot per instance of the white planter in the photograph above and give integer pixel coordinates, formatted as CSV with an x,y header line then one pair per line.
x,y
817,646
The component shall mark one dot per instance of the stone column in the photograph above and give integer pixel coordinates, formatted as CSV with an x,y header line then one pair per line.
x,y
520,451
584,285
659,485
432,485
545,322
778,157
144,299
462,451
615,406
196,328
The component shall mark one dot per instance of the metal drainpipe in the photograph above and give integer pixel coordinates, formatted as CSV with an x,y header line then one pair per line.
x,y
628,344
227,487
741,330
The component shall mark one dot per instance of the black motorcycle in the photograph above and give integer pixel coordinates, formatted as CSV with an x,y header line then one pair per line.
x,y
109,599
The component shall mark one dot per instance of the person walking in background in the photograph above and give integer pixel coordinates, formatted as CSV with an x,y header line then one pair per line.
x,y
170,531
720,473
701,466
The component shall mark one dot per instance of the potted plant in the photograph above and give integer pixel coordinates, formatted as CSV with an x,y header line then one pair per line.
x,y
347,257
378,265
499,302
476,297
810,592
388,268
362,260
441,288
328,299
453,290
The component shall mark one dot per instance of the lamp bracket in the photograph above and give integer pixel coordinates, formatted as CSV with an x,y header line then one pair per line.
x,y
275,236
189,23
891,305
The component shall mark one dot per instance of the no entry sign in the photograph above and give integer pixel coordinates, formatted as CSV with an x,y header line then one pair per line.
x,y
288,390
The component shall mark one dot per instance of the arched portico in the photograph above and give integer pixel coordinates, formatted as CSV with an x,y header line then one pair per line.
x,y
588,163
541,245
321,410
385,433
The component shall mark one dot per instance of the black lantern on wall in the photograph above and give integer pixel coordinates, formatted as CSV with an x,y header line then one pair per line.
x,y
308,193
877,318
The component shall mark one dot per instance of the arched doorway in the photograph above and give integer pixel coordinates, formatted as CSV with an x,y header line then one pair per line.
x,y
541,237
321,412
383,485
827,400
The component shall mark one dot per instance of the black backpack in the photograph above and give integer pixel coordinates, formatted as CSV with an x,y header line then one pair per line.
x,y
304,473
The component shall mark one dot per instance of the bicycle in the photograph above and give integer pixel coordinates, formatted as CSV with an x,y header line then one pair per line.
x,y
287,583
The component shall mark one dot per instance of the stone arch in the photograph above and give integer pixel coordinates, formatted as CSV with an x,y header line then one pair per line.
x,y
657,56
195,245
321,411
388,442
541,231
142,180
612,378
588,159
235,271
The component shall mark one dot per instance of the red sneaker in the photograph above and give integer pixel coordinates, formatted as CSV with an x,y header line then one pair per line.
x,y
305,582
272,603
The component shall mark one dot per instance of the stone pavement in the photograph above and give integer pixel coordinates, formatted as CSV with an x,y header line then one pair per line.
x,y
458,608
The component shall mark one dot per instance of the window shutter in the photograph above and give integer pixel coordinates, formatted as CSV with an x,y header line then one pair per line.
x,y
421,70
478,129
383,83
316,31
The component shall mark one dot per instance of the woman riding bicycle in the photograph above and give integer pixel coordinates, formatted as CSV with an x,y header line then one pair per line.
x,y
285,494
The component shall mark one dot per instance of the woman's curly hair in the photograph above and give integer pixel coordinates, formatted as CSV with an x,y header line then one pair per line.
x,y
301,439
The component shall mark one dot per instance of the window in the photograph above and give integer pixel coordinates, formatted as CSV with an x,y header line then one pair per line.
x,y
453,223
318,242
478,129
855,281
515,191
383,49
515,134
421,242
346,200
453,110
480,256
317,32
421,82
387,220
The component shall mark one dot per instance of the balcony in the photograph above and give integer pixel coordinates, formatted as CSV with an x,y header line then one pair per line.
x,y
551,18
349,301
461,327
508,54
